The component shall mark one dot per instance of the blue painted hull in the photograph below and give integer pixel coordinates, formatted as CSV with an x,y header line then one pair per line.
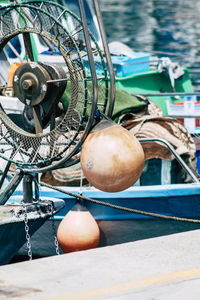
x,y
116,226
181,200
12,225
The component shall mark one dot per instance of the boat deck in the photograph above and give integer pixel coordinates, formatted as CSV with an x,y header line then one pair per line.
x,y
158,268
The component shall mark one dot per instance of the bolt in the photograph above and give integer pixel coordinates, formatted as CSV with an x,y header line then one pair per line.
x,y
26,84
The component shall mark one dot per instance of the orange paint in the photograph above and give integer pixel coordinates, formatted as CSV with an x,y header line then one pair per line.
x,y
78,231
11,73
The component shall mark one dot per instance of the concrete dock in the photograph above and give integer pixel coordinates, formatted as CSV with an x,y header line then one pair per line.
x,y
162,268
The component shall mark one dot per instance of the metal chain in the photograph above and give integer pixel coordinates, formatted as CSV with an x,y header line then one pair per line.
x,y
28,238
54,231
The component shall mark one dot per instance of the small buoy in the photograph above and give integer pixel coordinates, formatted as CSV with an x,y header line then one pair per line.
x,y
112,159
78,230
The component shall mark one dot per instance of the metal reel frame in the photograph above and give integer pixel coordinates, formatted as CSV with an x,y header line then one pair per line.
x,y
70,145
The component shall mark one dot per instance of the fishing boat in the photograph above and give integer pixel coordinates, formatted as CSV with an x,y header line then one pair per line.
x,y
19,221
54,67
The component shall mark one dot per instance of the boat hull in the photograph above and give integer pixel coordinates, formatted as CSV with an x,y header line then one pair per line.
x,y
111,233
153,82
13,236
17,225
118,226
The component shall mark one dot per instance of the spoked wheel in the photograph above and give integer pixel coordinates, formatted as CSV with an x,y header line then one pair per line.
x,y
53,101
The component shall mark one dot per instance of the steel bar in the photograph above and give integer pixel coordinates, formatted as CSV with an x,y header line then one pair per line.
x,y
182,116
108,57
5,172
91,63
177,156
11,187
167,94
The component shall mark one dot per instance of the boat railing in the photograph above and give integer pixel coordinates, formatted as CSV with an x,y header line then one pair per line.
x,y
193,113
173,94
173,151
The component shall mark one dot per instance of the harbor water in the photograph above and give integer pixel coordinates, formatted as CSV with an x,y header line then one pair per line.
x,y
162,27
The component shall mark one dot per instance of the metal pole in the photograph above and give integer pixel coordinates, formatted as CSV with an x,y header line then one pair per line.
x,y
28,189
177,156
11,187
91,62
108,57
167,94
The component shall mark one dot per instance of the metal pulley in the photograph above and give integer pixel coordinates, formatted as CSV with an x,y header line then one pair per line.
x,y
33,86
30,83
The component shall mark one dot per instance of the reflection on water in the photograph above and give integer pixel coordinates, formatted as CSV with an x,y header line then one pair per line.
x,y
169,26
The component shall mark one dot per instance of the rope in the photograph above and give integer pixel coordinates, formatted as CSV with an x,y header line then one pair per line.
x,y
136,211
81,182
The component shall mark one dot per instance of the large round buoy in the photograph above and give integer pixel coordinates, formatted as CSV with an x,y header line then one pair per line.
x,y
111,158
78,230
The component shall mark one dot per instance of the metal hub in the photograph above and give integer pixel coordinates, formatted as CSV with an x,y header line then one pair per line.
x,y
30,83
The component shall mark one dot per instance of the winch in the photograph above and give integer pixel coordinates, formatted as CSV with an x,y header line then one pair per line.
x,y
53,58
55,81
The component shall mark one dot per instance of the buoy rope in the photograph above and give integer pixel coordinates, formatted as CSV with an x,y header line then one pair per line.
x,y
81,182
136,211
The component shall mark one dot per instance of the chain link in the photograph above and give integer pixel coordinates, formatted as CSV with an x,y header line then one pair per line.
x,y
54,230
28,238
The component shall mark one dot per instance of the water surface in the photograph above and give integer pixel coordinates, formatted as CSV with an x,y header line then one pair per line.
x,y
170,28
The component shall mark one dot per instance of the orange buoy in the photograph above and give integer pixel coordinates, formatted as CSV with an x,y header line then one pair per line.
x,y
78,230
111,158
